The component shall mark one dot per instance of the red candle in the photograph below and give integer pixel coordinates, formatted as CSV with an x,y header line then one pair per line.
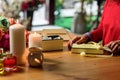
x,y
10,63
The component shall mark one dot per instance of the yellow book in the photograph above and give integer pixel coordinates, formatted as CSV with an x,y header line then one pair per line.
x,y
89,48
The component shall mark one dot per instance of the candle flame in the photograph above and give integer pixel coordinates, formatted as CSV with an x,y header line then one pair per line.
x,y
37,60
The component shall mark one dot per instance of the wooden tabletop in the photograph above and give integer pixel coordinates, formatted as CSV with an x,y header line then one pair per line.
x,y
63,65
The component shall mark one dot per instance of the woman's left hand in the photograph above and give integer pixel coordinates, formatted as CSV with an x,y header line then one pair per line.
x,y
115,47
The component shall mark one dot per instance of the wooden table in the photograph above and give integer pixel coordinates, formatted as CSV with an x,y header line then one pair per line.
x,y
63,65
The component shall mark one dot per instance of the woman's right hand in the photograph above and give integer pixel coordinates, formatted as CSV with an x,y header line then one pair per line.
x,y
78,39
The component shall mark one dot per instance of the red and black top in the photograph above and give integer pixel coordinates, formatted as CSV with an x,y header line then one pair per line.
x,y
109,27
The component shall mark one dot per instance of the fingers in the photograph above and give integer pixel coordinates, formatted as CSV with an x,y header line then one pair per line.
x,y
83,39
106,52
75,39
78,40
69,45
72,41
115,47
109,44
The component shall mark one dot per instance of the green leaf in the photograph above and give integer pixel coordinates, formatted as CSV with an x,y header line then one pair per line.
x,y
4,23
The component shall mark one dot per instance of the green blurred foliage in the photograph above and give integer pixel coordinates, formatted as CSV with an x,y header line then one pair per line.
x,y
66,22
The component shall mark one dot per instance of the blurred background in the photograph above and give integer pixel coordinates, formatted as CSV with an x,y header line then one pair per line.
x,y
78,16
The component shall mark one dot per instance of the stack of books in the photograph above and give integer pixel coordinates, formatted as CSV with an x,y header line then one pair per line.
x,y
91,49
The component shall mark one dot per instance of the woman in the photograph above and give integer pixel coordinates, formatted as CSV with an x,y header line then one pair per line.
x,y
108,29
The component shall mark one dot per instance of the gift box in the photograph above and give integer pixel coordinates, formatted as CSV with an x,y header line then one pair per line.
x,y
52,43
88,48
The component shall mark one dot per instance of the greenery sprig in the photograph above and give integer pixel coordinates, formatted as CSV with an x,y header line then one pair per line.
x,y
4,23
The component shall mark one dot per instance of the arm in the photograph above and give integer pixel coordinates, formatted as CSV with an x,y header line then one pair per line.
x,y
97,34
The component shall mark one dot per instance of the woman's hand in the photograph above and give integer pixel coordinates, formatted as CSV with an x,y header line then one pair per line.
x,y
78,39
115,47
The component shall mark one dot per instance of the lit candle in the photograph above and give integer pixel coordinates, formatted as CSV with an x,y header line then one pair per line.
x,y
35,57
17,41
34,40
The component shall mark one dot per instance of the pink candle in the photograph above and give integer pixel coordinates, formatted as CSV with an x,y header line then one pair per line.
x,y
35,40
